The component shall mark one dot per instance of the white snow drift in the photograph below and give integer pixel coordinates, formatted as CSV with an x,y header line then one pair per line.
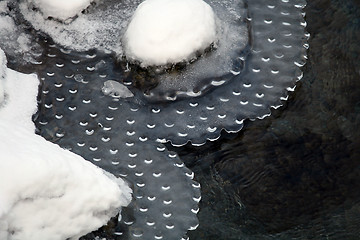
x,y
61,9
47,192
169,31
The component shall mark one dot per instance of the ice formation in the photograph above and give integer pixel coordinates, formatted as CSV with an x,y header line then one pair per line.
x,y
124,135
61,9
116,89
105,24
169,31
47,192
80,109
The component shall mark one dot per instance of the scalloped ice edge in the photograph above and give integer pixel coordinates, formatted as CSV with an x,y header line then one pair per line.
x,y
282,98
239,122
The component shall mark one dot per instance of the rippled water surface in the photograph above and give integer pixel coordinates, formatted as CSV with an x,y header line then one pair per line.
x,y
296,174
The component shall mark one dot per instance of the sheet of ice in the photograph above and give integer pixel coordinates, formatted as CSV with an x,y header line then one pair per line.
x,y
61,9
169,31
47,192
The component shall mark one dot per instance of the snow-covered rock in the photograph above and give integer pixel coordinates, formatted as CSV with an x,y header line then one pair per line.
x,y
47,192
169,31
61,9
101,28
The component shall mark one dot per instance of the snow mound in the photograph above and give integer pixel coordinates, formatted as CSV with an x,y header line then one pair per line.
x,y
47,192
169,31
2,74
61,9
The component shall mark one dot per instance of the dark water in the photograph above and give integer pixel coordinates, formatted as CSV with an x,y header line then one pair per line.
x,y
296,174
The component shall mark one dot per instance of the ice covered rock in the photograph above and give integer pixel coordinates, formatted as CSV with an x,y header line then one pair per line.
x,y
61,9
99,28
116,89
169,31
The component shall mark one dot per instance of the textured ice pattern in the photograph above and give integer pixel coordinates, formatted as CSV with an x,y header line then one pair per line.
x,y
75,113
124,135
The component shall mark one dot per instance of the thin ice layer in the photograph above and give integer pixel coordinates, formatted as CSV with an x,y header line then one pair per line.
x,y
47,192
271,70
76,114
278,50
